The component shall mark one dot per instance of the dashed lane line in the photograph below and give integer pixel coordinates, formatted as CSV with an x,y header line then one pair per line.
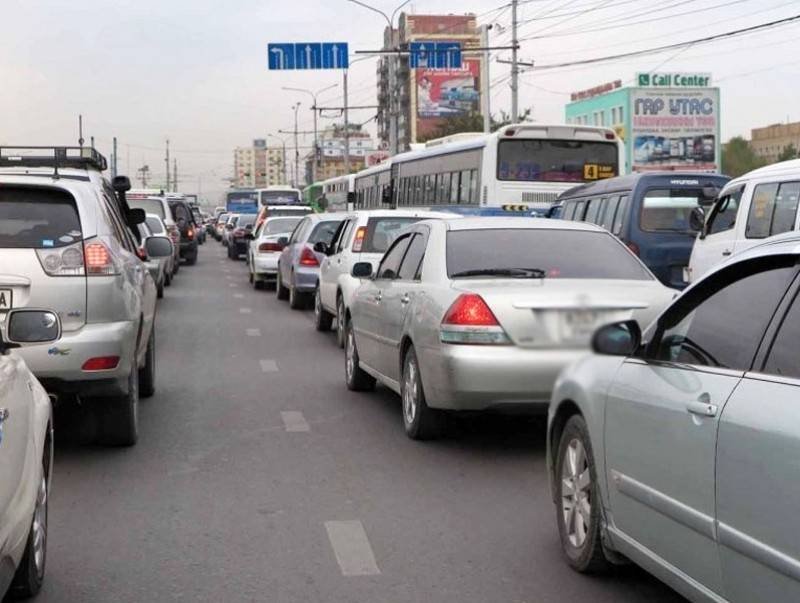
x,y
294,421
351,548
253,332
268,366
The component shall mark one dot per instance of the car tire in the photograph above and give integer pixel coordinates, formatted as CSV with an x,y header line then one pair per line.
x,y
578,528
177,266
281,292
160,289
340,320
29,576
167,279
357,379
297,300
119,417
322,318
147,374
191,260
419,420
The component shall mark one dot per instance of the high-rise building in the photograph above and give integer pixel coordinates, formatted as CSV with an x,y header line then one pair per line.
x,y
770,141
425,98
332,146
258,166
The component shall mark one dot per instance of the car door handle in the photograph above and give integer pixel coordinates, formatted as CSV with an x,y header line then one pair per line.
x,y
727,252
702,407
405,299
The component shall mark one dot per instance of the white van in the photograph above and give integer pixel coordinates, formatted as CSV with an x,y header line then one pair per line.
x,y
760,204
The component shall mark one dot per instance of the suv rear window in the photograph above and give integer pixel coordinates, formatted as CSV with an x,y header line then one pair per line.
x,y
150,206
280,225
154,224
556,253
381,232
37,218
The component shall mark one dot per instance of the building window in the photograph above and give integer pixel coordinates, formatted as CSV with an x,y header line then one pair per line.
x,y
621,112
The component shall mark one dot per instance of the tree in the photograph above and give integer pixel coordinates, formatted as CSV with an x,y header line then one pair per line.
x,y
788,153
739,158
470,122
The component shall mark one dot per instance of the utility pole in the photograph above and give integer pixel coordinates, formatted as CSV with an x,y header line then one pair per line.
x,y
392,93
175,176
486,104
80,130
514,64
114,160
346,128
166,161
296,149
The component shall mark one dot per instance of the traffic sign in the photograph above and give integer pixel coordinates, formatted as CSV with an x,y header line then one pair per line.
x,y
308,55
434,55
280,56
335,55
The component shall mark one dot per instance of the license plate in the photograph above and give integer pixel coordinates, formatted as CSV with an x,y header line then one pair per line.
x,y
578,324
6,299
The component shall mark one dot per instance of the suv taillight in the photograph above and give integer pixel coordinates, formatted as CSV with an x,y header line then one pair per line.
x,y
190,233
64,261
307,258
470,321
358,241
99,259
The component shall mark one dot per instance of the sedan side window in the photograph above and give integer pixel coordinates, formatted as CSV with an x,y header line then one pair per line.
x,y
783,358
390,264
723,215
722,321
409,269
296,232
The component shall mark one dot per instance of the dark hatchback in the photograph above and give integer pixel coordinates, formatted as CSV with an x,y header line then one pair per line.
x,y
239,238
657,215
182,214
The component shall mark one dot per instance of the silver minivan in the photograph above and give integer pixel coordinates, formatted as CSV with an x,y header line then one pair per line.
x,y
678,448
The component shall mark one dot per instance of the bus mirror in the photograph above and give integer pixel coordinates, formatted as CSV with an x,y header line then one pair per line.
x,y
386,195
697,219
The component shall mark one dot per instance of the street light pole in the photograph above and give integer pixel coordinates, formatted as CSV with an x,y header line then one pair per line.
x,y
313,96
296,148
346,129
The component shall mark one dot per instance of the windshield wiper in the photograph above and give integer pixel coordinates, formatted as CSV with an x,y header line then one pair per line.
x,y
510,272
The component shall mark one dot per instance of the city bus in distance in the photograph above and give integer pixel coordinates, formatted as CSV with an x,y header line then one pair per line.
x,y
279,195
338,193
242,201
521,167
311,193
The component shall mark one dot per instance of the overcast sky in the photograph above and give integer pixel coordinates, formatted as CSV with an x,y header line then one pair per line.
x,y
194,71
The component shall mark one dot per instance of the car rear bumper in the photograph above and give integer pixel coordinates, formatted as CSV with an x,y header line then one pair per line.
x,y
240,246
475,377
306,278
188,248
58,365
266,265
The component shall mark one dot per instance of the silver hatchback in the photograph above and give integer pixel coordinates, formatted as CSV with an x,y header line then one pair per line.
x,y
679,448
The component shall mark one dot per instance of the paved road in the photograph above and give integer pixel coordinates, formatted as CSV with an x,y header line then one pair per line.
x,y
226,499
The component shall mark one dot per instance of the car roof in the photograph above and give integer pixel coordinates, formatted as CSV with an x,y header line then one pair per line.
x,y
402,213
629,181
789,168
787,243
492,222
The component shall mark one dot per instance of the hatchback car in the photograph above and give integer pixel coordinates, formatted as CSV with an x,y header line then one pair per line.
x,y
159,206
476,314
264,250
678,448
182,214
157,266
227,229
157,228
298,264
69,243
363,236
239,239
26,454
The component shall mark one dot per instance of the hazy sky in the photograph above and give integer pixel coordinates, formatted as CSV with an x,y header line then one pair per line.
x,y
194,71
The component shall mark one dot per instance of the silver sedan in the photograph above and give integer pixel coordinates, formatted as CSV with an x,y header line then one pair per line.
x,y
483,313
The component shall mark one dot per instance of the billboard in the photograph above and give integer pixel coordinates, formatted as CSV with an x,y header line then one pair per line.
x,y
443,93
675,129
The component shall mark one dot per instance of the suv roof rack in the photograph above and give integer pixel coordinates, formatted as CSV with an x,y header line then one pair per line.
x,y
54,157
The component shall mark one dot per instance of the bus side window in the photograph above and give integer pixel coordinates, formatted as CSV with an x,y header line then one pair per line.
x,y
568,211
592,207
608,216
579,207
601,211
619,219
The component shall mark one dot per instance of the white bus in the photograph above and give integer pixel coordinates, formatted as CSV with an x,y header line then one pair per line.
x,y
279,195
523,167
338,193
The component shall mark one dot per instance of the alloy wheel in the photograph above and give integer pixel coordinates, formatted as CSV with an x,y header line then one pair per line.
x,y
576,486
350,352
39,527
317,306
340,320
410,392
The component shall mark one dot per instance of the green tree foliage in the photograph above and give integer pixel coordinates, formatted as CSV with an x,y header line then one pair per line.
x,y
739,158
788,153
470,122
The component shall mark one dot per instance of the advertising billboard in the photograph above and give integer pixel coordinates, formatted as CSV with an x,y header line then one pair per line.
x,y
675,129
443,93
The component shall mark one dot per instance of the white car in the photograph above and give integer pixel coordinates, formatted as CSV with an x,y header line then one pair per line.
x,y
757,205
363,236
264,249
26,454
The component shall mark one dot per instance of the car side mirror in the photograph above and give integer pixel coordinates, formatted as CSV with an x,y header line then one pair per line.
x,y
283,241
158,247
249,235
697,219
362,270
135,216
617,339
321,247
121,184
30,326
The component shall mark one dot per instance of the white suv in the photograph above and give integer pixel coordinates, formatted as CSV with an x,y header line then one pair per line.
x,y
69,242
363,236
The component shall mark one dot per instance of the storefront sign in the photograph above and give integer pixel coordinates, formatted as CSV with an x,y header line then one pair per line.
x,y
596,91
673,80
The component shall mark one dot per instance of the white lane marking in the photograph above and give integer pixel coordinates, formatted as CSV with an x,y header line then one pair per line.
x,y
351,547
233,284
239,295
254,332
268,366
245,311
294,421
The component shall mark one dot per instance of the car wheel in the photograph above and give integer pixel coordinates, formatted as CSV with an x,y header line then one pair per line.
x,y
340,320
281,292
177,266
191,260
147,374
160,289
420,421
250,278
29,576
168,279
322,318
119,419
297,300
578,506
357,379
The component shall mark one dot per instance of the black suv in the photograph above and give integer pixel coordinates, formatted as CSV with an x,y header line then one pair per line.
x,y
182,214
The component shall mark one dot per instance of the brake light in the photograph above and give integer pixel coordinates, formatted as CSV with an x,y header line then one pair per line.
x,y
101,363
469,320
64,261
270,247
358,241
190,233
307,258
99,261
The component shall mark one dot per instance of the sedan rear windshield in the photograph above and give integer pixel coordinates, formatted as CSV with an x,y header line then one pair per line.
x,y
381,232
280,225
37,218
540,253
150,206
668,209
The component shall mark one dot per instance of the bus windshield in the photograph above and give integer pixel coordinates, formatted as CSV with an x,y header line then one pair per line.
x,y
544,160
287,197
